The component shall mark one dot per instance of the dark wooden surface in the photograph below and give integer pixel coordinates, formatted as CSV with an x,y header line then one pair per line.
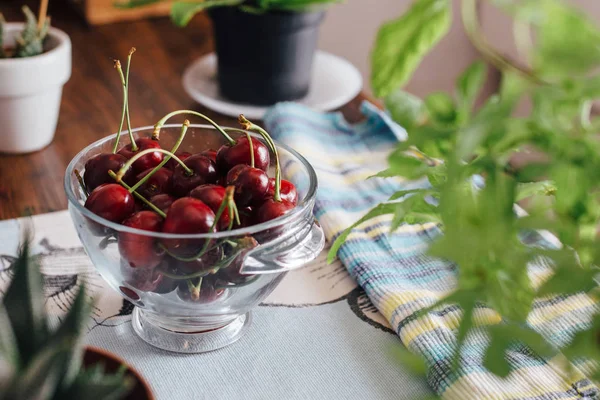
x,y
91,104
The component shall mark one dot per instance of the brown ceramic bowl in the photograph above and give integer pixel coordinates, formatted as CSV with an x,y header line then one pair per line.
x,y
141,389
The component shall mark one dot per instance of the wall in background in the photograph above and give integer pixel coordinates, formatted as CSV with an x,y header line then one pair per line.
x,y
349,31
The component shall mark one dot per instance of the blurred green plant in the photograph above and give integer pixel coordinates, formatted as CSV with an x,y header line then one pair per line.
x,y
30,41
450,142
183,11
40,363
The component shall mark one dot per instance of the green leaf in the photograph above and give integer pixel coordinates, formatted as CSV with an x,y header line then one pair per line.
x,y
135,3
296,5
469,85
183,11
543,188
567,40
403,165
381,209
405,109
569,280
495,355
413,362
401,44
441,107
9,351
24,304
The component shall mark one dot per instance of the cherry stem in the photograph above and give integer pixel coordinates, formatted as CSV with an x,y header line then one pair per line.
x,y
194,289
133,159
125,112
249,126
224,263
81,183
134,146
159,124
184,129
251,146
139,196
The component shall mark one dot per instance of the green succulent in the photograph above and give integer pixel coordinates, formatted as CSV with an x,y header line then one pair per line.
x,y
31,41
37,362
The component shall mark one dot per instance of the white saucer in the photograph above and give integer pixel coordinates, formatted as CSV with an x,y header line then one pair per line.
x,y
335,83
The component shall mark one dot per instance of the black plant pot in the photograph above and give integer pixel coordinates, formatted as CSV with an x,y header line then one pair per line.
x,y
267,58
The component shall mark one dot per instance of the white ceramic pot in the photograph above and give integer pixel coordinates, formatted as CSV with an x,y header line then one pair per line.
x,y
30,92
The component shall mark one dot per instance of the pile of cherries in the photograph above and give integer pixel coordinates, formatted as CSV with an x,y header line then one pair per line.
x,y
145,187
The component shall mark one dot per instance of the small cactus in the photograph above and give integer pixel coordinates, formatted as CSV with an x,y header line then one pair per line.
x,y
30,42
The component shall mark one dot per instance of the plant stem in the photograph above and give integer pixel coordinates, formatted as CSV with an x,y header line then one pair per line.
x,y
163,120
139,196
133,159
42,14
472,29
184,129
81,183
134,146
118,138
194,289
249,126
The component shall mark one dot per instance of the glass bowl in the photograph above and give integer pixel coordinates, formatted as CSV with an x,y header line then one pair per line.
x,y
200,302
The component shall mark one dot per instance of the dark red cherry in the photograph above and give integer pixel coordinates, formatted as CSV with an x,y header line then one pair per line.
x,y
230,156
206,293
143,279
212,196
162,201
272,209
167,284
187,215
97,167
158,183
246,217
287,192
204,172
149,160
233,173
250,186
212,154
231,274
205,264
182,155
111,201
140,251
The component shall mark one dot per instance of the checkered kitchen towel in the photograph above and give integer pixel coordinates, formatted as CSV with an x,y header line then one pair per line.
x,y
400,279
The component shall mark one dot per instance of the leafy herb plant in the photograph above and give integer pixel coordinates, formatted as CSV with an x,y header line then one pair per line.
x,y
452,144
183,11
37,362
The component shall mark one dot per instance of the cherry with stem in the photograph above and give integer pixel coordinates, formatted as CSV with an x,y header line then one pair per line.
x,y
136,194
163,120
125,112
249,126
227,202
123,170
184,128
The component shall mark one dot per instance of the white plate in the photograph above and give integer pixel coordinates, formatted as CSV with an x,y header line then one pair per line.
x,y
335,83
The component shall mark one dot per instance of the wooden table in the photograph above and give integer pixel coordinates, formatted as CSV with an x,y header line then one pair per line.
x,y
91,104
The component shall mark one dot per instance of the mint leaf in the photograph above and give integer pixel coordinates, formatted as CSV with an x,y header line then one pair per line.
x,y
405,109
441,107
468,86
401,44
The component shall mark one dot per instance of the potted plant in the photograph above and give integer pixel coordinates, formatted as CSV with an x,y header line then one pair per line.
x,y
37,362
265,48
35,63
468,155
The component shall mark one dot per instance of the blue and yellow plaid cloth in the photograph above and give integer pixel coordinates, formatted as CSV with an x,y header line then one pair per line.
x,y
400,279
